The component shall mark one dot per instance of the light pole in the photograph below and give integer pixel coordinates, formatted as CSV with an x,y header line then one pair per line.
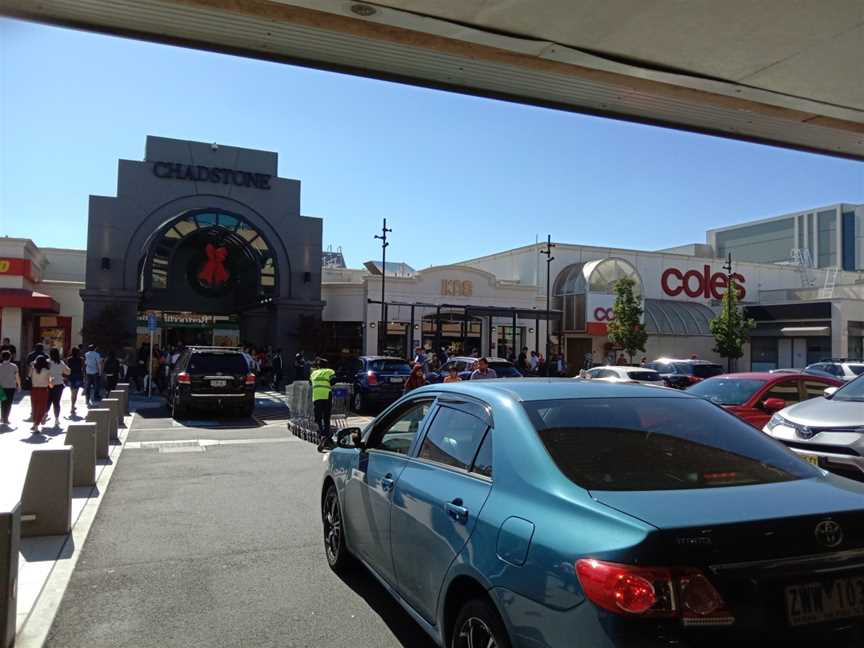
x,y
549,260
729,280
382,334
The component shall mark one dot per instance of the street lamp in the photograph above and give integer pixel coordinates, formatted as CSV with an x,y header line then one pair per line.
x,y
549,260
383,330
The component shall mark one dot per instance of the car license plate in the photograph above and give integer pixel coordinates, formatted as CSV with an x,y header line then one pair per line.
x,y
818,602
395,380
218,383
813,459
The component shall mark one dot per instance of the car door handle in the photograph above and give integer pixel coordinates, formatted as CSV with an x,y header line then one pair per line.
x,y
387,483
456,511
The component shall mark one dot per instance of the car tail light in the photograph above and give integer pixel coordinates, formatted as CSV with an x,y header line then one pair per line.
x,y
183,378
672,592
250,379
693,379
371,377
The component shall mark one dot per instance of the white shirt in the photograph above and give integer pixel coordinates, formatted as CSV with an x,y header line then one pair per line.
x,y
57,371
91,362
40,378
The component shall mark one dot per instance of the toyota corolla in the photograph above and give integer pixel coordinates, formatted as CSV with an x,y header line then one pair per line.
x,y
584,514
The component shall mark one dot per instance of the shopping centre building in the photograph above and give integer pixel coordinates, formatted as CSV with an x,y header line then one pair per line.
x,y
209,240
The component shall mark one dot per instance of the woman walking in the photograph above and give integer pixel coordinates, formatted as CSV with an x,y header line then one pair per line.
x,y
76,375
40,379
416,379
9,382
58,370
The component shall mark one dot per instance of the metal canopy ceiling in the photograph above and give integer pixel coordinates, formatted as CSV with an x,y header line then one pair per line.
x,y
774,71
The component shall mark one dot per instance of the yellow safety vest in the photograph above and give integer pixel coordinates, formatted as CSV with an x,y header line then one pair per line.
x,y
320,379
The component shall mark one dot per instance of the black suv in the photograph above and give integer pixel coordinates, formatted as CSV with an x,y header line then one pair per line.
x,y
683,373
212,377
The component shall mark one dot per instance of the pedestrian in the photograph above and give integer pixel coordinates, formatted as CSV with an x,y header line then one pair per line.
x,y
40,383
621,360
416,379
534,363
8,346
10,380
420,358
561,365
76,376
278,371
452,374
112,371
522,361
322,399
59,370
483,371
93,379
644,362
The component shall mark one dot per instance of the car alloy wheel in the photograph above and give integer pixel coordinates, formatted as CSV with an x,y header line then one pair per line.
x,y
479,626
474,633
334,535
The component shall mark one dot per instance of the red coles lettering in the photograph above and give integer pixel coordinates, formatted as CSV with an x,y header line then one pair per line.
x,y
696,283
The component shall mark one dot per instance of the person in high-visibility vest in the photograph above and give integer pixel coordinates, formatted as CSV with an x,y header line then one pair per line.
x,y
322,399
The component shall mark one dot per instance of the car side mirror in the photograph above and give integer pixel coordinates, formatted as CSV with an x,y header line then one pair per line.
x,y
350,437
773,404
830,391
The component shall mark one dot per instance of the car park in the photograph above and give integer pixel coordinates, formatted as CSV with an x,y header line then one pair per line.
x,y
642,375
841,368
465,365
683,373
828,432
567,513
214,378
376,381
755,396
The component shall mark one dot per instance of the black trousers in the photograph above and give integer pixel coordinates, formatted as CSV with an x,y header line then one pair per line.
x,y
6,405
54,398
322,417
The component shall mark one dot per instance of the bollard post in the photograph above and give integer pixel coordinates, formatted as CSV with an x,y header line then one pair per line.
x,y
121,411
102,418
46,500
114,405
82,438
125,387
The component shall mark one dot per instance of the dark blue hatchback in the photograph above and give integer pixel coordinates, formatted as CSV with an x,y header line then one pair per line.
x,y
579,514
377,380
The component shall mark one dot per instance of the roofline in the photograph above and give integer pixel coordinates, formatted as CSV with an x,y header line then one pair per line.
x,y
779,217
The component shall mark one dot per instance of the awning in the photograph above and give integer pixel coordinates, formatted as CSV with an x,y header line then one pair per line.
x,y
667,317
27,299
803,331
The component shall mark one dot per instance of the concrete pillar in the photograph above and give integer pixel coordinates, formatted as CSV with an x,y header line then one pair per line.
x,y
10,534
102,418
839,331
82,438
46,500
119,394
116,415
124,387
12,326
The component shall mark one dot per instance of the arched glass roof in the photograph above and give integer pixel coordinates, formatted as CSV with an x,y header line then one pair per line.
x,y
667,317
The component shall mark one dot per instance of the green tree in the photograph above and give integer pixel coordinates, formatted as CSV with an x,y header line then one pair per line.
x,y
625,329
730,329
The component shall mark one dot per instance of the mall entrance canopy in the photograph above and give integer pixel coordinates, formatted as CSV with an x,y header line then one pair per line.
x,y
772,71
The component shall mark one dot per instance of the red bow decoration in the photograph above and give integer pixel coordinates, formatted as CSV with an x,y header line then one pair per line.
x,y
214,273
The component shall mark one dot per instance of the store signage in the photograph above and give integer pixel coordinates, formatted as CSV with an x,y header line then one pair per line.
x,y
15,267
186,318
699,283
456,288
604,314
216,175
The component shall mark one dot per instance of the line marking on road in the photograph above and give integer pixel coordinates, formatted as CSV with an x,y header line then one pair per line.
x,y
177,445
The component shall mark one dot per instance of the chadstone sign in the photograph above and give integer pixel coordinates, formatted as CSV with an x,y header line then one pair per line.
x,y
201,173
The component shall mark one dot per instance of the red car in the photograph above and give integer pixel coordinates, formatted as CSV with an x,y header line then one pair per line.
x,y
754,397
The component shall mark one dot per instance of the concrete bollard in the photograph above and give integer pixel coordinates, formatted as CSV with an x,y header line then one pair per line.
x,y
46,500
116,417
82,438
118,394
102,418
10,534
125,387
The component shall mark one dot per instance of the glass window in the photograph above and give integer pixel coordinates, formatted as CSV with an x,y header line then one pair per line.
x,y
786,390
398,434
642,444
818,348
646,376
856,369
453,438
827,224
504,369
726,391
699,370
764,354
608,271
390,366
483,461
205,363
813,389
769,242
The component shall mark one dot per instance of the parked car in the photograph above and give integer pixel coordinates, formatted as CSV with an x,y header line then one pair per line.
x,y
828,432
840,369
465,365
212,378
377,380
754,397
641,375
683,373
563,512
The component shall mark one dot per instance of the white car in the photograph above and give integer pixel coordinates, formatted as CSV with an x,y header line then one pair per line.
x,y
641,375
840,369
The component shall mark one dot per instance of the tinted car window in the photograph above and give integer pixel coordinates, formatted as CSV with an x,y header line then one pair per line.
x,y
453,438
644,375
397,434
787,390
390,366
504,369
856,369
661,368
483,461
644,444
699,370
726,391
813,389
216,362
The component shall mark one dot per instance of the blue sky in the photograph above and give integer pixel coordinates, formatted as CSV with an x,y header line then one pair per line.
x,y
455,176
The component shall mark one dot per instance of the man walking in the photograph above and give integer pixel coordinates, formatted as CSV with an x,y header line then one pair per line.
x,y
322,399
93,380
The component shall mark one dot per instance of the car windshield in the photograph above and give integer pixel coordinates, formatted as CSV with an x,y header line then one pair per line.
x,y
233,363
648,376
851,391
726,391
504,369
643,444
390,366
699,370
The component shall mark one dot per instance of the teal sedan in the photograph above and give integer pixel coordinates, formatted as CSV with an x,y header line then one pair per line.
x,y
584,514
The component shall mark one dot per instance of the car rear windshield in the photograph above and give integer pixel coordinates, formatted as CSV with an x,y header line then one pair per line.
x,y
699,370
504,369
726,391
856,369
644,375
227,363
390,366
644,444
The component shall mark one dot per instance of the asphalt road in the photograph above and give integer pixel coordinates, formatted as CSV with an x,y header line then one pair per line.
x,y
219,545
